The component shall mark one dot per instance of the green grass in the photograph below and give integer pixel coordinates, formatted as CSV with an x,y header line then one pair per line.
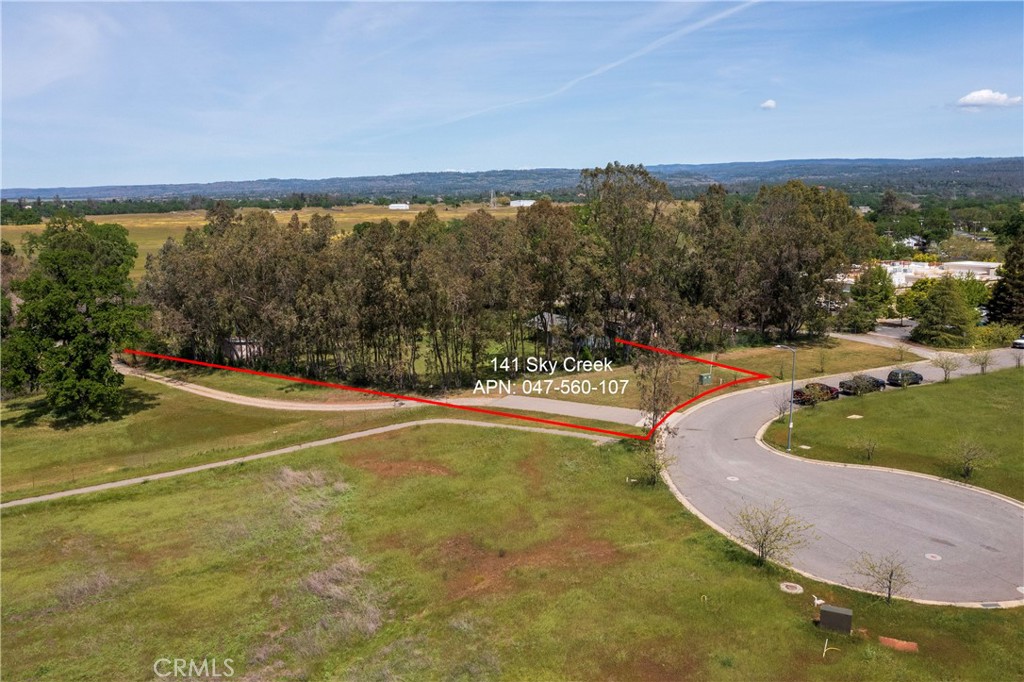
x,y
173,429
493,555
840,355
916,428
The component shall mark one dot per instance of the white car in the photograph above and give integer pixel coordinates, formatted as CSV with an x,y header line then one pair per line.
x,y
1019,343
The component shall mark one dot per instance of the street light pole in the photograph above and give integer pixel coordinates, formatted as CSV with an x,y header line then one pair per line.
x,y
792,389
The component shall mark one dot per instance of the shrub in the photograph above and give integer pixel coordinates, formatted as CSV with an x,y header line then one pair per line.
x,y
995,335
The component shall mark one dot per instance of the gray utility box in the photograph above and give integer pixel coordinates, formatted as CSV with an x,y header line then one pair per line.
x,y
705,379
836,619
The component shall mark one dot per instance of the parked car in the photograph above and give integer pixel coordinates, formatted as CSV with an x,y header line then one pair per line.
x,y
1019,343
904,377
815,393
861,384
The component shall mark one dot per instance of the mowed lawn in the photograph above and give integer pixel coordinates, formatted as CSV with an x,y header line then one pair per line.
x,y
918,428
170,429
813,359
444,552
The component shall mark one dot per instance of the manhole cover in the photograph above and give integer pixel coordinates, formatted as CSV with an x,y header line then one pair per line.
x,y
791,588
731,478
933,557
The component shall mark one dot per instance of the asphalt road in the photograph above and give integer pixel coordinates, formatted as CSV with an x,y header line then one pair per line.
x,y
962,545
720,466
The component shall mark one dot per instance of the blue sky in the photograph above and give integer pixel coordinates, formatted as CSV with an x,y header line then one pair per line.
x,y
135,93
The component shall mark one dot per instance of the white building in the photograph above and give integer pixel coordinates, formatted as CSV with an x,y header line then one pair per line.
x,y
983,270
399,207
522,203
904,272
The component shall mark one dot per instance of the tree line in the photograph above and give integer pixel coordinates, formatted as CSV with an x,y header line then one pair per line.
x,y
426,302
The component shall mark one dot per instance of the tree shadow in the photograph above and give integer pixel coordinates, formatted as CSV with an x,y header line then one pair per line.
x,y
34,412
30,414
136,401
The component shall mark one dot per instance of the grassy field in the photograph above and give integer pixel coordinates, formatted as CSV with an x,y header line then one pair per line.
x,y
915,429
839,355
439,553
812,359
150,230
171,429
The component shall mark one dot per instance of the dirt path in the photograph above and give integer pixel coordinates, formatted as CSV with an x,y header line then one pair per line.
x,y
597,440
264,403
617,415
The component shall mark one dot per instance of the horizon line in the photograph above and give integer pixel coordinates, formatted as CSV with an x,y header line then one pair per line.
x,y
47,188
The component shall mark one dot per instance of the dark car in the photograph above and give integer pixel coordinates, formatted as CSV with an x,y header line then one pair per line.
x,y
904,377
815,393
861,384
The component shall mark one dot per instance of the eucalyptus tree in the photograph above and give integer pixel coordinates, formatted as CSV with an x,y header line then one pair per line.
x,y
625,211
802,239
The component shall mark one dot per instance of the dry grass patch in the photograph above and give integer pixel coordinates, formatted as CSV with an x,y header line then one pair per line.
x,y
472,570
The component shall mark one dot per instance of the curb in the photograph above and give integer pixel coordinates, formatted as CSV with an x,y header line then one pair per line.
x,y
759,438
666,477
927,602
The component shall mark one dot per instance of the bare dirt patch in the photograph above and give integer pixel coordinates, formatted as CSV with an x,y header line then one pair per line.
x,y
470,569
530,468
398,468
898,644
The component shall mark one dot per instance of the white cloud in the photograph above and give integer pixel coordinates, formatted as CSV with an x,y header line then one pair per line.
x,y
768,104
987,98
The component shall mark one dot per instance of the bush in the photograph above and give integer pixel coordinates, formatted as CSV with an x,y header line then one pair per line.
x,y
995,335
856,318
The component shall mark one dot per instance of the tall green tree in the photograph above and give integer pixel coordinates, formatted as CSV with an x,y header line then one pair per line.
x,y
936,225
77,309
802,238
625,211
707,272
554,242
874,290
1010,229
1007,302
944,317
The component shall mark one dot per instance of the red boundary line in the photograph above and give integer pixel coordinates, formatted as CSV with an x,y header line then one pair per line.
x,y
480,410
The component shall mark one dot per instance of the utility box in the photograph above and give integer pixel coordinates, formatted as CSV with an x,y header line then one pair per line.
x,y
836,619
705,379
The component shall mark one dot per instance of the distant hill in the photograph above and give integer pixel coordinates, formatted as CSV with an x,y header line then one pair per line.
x,y
962,178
